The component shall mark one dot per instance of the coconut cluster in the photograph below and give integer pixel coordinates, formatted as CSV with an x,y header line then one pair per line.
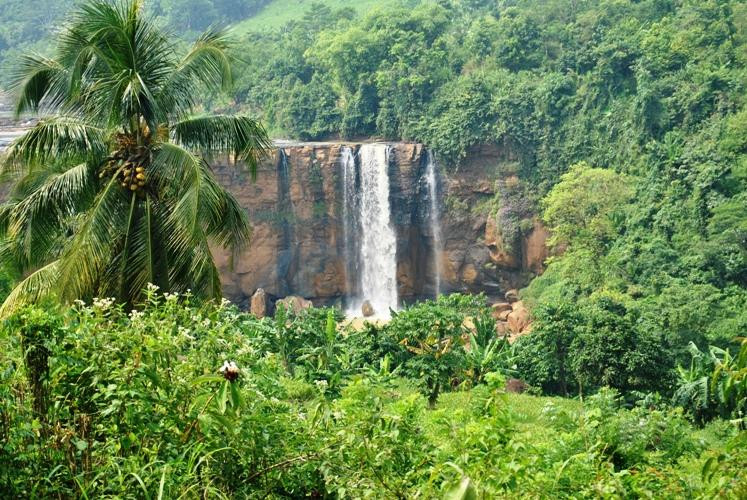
x,y
129,162
132,177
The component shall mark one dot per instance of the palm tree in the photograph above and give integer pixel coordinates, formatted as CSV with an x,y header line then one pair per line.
x,y
112,188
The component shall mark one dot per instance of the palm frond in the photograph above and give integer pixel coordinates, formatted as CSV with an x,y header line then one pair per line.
x,y
120,61
206,67
33,225
54,139
147,261
92,247
38,82
199,207
219,134
39,285
231,228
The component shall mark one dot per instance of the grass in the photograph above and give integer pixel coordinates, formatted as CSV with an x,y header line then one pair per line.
x,y
280,12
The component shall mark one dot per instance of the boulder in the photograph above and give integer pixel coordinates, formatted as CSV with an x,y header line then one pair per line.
x,y
367,309
259,303
518,320
512,296
516,386
501,328
499,307
294,303
503,316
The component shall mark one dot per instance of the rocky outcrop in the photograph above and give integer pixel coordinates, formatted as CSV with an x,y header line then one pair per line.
x,y
512,317
295,206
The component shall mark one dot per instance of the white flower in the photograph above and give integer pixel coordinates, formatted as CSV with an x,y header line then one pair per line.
x,y
103,304
185,332
230,371
152,288
228,365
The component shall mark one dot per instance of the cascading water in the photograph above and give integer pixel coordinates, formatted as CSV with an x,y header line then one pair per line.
x,y
286,253
434,219
376,239
350,222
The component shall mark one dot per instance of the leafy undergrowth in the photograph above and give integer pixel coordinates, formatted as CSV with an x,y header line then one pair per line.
x,y
183,401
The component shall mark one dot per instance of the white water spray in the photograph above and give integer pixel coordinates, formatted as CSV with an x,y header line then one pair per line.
x,y
434,219
378,241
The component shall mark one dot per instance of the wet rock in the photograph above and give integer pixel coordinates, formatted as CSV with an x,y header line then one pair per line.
x,y
367,309
512,296
469,274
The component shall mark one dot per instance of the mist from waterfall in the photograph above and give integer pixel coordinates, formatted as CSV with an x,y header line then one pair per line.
x,y
370,240
434,217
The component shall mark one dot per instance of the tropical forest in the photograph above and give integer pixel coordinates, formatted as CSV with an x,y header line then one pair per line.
x,y
373,249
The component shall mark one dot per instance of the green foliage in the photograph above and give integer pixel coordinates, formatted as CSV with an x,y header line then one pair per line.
x,y
599,342
714,385
180,399
585,208
433,335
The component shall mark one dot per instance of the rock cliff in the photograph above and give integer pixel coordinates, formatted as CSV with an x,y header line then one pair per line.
x,y
295,207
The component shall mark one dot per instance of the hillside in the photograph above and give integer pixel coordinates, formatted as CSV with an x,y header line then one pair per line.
x,y
279,12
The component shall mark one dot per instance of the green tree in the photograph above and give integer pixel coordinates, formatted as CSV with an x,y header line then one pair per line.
x,y
583,209
109,192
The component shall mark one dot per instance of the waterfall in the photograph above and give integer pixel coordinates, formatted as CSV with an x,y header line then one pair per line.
x,y
287,249
377,241
350,223
434,219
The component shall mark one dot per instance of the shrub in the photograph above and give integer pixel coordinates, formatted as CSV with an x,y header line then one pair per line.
x,y
599,343
432,335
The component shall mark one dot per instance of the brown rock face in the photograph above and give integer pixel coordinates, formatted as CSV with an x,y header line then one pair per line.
x,y
535,248
516,386
297,246
500,307
259,303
